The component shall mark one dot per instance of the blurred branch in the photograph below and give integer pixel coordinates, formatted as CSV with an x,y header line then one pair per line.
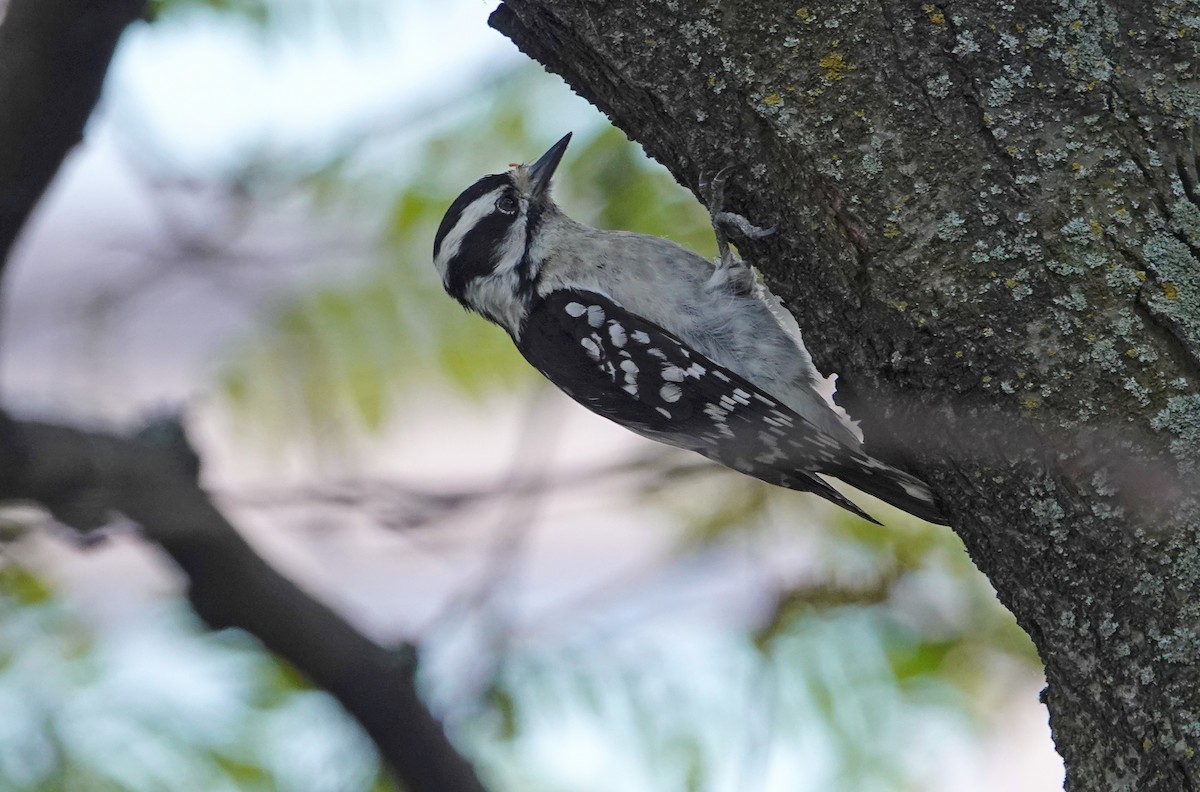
x,y
53,57
84,478
400,505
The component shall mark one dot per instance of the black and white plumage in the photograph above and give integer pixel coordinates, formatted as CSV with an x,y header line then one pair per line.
x,y
657,338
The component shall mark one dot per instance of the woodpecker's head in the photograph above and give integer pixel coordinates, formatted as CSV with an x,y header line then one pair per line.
x,y
482,247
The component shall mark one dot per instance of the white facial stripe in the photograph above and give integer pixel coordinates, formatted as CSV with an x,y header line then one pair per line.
x,y
509,255
480,208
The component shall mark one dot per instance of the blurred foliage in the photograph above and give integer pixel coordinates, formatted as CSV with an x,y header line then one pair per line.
x,y
257,11
350,18
161,705
840,685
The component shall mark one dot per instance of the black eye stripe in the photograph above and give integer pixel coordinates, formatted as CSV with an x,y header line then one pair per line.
x,y
476,253
477,190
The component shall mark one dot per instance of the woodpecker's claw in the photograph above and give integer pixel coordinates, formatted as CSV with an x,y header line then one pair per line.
x,y
726,224
730,221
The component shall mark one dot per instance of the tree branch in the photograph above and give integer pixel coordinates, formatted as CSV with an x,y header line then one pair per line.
x,y
53,58
84,478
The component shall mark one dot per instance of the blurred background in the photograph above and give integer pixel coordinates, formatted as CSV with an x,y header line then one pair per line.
x,y
245,235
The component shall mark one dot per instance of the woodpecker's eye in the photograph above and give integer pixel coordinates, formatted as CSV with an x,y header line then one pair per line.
x,y
507,204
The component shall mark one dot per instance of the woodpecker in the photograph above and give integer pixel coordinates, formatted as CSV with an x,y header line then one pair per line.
x,y
658,339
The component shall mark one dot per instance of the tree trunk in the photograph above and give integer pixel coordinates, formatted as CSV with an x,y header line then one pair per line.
x,y
989,224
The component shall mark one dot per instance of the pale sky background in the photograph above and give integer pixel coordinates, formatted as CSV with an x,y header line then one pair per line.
x,y
205,90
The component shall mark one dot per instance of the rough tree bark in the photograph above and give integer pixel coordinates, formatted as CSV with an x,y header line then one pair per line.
x,y
989,227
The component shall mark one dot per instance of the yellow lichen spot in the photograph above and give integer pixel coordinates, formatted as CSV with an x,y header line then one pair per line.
x,y
1077,24
1075,166
998,479
1030,404
958,354
1147,745
1169,291
860,114
773,100
987,378
900,306
1010,283
1141,275
1012,150
1096,229
1020,27
1131,353
936,17
891,231
805,16
835,66
649,42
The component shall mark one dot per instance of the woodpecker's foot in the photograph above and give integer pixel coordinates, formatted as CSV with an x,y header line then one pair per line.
x,y
726,224
731,274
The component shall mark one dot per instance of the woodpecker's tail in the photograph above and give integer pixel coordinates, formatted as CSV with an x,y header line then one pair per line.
x,y
892,486
810,482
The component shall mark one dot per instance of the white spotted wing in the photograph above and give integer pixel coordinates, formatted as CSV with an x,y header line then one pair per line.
x,y
630,370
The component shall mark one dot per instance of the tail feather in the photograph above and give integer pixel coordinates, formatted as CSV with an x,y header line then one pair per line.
x,y
895,487
814,484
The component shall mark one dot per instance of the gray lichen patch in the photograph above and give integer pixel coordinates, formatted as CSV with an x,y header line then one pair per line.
x,y
951,227
1181,418
1175,294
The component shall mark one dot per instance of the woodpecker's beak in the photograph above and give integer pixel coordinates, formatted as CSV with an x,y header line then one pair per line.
x,y
541,171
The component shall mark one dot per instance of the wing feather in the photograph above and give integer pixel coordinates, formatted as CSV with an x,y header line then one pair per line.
x,y
632,371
